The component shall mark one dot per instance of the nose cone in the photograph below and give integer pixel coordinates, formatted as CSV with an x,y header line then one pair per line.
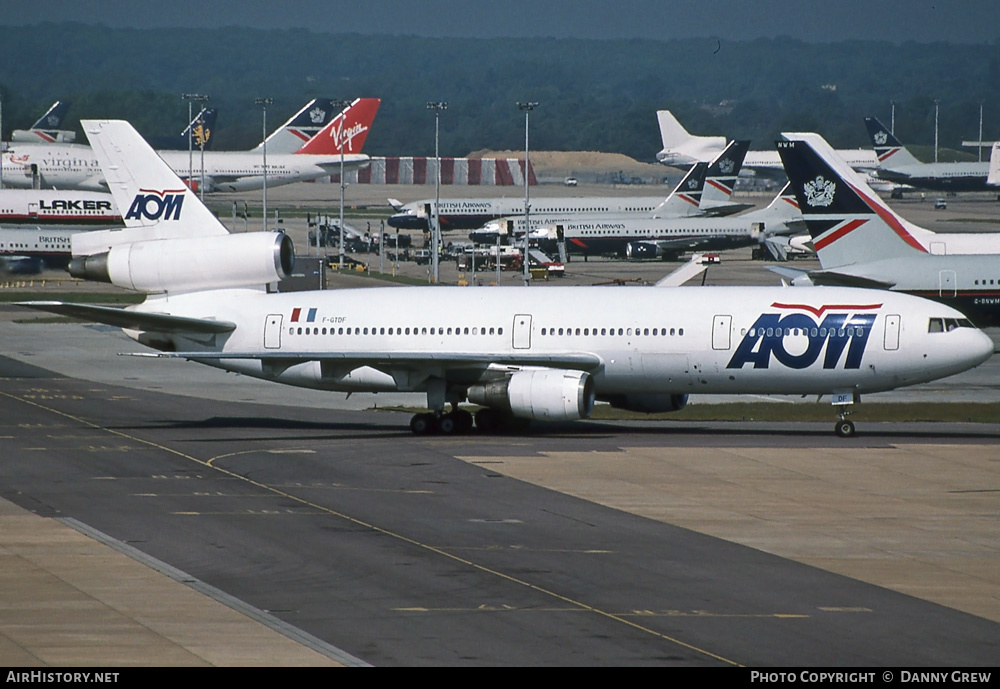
x,y
968,348
981,349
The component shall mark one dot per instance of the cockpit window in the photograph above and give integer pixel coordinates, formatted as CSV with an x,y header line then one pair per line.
x,y
940,325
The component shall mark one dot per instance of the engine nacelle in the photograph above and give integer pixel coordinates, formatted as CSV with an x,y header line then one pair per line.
x,y
648,403
637,251
546,395
192,263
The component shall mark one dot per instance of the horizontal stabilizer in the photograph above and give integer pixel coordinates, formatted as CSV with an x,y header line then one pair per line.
x,y
132,320
693,268
831,278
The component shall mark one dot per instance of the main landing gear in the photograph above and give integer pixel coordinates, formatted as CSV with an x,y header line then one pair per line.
x,y
460,422
456,422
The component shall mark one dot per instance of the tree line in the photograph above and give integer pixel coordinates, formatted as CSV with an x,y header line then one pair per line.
x,y
592,95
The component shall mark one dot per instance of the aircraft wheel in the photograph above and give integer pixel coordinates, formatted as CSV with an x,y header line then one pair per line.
x,y
423,424
844,429
448,425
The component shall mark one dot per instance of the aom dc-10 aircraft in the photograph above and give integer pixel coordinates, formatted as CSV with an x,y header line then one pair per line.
x,y
527,353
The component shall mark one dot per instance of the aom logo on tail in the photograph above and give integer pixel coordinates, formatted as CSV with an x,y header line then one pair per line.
x,y
156,205
796,339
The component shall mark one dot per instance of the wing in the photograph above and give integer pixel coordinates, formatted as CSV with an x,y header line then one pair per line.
x,y
133,320
582,361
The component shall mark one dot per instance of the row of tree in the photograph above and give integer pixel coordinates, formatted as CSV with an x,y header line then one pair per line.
x,y
593,95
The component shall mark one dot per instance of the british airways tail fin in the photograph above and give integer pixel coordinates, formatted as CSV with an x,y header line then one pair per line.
x,y
720,179
154,202
348,130
46,129
686,196
848,222
302,126
681,148
888,150
53,117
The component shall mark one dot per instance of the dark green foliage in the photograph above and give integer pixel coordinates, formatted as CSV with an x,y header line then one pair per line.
x,y
594,95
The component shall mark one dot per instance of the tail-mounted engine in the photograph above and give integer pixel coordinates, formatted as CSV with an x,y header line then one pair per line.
x,y
192,263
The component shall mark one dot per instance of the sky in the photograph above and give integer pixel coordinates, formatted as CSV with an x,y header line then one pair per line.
x,y
955,21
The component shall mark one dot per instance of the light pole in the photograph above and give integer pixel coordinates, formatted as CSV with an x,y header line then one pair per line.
x,y
340,144
263,103
937,107
980,147
191,98
527,108
1,141
437,107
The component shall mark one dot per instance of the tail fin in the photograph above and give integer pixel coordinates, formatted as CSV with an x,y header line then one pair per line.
x,y
155,203
201,129
993,178
784,205
848,222
348,130
203,126
53,117
720,179
686,196
681,148
46,129
889,151
302,126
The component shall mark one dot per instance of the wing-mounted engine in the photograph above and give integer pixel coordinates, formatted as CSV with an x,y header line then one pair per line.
x,y
546,394
637,251
648,403
191,263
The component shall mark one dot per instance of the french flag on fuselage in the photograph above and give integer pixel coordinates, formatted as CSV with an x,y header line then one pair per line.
x,y
310,315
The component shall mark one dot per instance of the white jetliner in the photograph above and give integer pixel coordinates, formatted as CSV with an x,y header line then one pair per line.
x,y
897,165
685,148
38,223
681,148
668,238
690,197
57,207
525,353
77,167
46,129
860,241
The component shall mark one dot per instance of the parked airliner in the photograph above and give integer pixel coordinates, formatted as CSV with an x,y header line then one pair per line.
x,y
519,352
700,192
860,241
681,149
77,167
896,164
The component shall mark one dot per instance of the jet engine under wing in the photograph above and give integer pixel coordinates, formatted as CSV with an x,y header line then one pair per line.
x,y
133,320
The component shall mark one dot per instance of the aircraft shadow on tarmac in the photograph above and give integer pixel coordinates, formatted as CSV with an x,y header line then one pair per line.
x,y
732,431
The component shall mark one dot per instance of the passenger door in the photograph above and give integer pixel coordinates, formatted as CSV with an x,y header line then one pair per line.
x,y
272,331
